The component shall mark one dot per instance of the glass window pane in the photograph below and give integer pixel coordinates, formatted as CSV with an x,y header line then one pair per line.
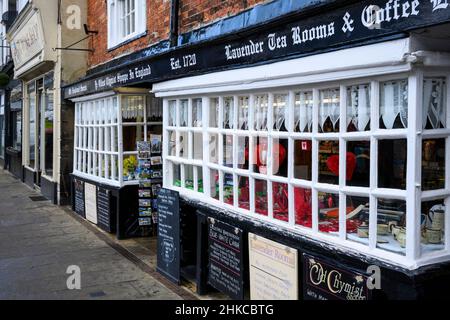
x,y
244,193
132,109
329,162
228,150
214,148
172,151
358,108
130,167
48,133
199,179
394,104
329,110
433,226
184,110
172,113
280,200
131,134
391,227
303,207
358,163
32,129
392,164
197,111
228,189
303,111
214,113
329,213
434,114
433,164
280,150
198,146
261,154
176,174
228,113
261,205
261,112
243,108
358,219
184,145
189,177
280,112
243,144
303,159
214,184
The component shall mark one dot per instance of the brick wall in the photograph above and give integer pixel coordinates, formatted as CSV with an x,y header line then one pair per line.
x,y
193,14
197,13
158,26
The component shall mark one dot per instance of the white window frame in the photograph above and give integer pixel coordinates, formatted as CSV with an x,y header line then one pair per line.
x,y
413,258
84,140
114,10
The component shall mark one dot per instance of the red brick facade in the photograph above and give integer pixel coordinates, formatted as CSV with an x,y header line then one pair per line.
x,y
192,15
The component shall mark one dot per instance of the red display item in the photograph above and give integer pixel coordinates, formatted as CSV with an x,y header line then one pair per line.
x,y
333,165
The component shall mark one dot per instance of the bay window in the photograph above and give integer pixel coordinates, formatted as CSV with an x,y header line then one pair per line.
x,y
126,20
107,130
337,161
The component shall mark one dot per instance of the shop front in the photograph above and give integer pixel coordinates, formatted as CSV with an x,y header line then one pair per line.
x,y
47,122
14,132
108,128
305,159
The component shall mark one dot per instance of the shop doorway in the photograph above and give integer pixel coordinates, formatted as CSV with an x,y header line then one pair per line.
x,y
40,126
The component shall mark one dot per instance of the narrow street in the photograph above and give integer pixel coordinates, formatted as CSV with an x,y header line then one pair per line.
x,y
39,241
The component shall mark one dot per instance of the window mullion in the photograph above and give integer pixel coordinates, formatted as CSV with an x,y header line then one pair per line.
x,y
374,125
342,164
315,163
414,161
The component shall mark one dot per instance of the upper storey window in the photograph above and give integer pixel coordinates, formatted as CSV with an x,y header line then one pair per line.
x,y
126,20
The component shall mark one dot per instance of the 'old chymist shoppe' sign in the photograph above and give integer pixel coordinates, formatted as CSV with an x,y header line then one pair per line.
x,y
354,23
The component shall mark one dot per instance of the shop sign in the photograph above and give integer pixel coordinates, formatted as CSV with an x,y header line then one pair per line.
x,y
28,42
168,252
354,23
323,281
226,260
90,200
273,270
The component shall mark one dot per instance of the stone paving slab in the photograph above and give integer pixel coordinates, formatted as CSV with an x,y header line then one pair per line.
x,y
38,241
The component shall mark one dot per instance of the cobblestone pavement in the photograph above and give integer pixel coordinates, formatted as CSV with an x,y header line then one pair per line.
x,y
39,241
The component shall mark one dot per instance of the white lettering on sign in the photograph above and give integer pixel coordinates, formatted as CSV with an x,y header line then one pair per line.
x,y
300,35
247,50
373,16
439,4
276,42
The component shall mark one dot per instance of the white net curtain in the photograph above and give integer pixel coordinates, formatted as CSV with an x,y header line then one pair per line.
x,y
394,103
434,111
358,107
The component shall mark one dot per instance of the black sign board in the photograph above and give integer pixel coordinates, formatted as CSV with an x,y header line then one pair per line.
x,y
363,21
323,281
226,259
104,209
168,255
79,205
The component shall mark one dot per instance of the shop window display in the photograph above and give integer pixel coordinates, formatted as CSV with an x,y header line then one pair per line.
x,y
304,154
434,112
303,159
433,225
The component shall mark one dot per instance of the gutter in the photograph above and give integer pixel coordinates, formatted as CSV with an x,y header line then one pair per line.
x,y
174,19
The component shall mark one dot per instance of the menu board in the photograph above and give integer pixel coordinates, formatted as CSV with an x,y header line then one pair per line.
x,y
90,200
168,255
103,209
79,205
323,281
226,259
273,270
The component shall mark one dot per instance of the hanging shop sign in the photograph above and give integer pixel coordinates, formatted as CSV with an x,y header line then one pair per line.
x,y
79,206
273,270
226,259
359,22
168,255
90,200
322,281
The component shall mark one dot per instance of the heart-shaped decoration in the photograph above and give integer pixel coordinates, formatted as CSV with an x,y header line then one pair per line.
x,y
333,165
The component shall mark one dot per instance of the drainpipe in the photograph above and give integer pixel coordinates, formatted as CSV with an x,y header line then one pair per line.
x,y
175,5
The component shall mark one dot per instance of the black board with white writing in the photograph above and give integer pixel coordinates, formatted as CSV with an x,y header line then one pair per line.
x,y
79,204
168,255
225,272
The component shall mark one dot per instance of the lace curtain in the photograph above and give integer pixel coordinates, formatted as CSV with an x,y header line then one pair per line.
x,y
434,109
261,113
133,108
329,106
358,106
394,103
303,112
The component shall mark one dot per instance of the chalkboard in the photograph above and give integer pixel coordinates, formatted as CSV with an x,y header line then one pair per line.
x,y
104,209
225,272
168,255
79,204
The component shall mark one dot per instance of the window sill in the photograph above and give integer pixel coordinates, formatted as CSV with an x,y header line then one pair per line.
x,y
127,41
